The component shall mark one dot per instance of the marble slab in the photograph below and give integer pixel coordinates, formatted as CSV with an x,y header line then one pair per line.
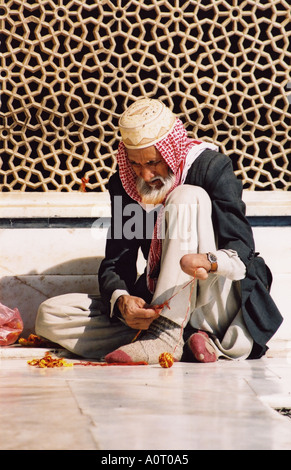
x,y
28,292
41,415
50,251
273,243
228,405
187,407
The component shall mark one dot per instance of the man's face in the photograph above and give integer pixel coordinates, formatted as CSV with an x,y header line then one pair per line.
x,y
154,177
147,163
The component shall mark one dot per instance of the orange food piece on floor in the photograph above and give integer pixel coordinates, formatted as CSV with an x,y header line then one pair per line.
x,y
166,360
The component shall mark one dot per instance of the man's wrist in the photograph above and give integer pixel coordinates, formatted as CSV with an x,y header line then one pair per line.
x,y
119,300
115,296
212,262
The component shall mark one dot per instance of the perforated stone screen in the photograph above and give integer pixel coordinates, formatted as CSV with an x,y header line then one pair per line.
x,y
70,67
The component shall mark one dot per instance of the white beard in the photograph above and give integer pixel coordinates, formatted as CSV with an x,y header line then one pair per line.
x,y
155,196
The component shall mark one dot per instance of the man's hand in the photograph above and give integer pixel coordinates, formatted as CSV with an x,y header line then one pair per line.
x,y
196,264
136,313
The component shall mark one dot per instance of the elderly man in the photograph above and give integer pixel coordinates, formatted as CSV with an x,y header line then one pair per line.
x,y
205,292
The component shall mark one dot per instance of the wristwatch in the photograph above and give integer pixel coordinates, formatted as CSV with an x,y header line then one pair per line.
x,y
213,260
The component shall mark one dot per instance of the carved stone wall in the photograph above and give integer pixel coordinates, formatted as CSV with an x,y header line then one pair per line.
x,y
70,67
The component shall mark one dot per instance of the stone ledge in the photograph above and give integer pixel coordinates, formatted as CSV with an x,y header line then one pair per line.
x,y
56,204
267,203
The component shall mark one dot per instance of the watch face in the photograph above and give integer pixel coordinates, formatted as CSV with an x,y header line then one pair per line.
x,y
212,258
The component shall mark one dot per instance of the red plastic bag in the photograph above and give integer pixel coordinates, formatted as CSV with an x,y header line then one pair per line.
x,y
11,325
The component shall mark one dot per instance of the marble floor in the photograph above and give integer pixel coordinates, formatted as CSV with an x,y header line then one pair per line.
x,y
221,406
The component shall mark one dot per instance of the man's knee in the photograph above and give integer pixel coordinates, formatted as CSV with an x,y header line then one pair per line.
x,y
188,194
50,314
48,307
185,203
41,324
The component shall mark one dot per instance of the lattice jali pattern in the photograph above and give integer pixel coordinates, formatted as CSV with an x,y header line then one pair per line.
x,y
69,68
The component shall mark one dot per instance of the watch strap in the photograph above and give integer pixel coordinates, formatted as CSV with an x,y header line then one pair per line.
x,y
213,261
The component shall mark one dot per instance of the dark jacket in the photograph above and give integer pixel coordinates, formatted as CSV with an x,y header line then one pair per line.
x,y
214,173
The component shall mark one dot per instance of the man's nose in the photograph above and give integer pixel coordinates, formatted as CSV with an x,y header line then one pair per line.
x,y
146,174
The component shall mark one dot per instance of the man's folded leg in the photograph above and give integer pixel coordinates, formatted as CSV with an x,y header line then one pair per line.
x,y
79,323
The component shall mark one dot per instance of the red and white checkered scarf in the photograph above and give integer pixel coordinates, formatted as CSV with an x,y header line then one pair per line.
x,y
173,148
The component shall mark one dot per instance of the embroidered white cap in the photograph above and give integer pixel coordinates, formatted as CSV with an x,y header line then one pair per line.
x,y
145,122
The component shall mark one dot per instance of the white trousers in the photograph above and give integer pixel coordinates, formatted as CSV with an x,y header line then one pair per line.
x,y
78,322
